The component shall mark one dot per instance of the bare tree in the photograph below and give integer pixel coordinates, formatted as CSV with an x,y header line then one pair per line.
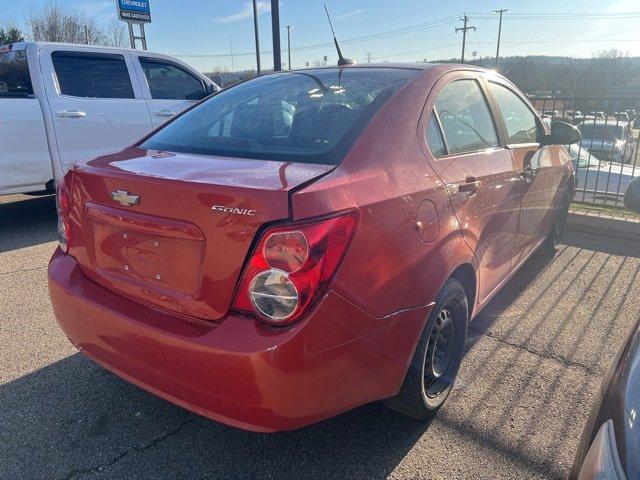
x,y
55,23
116,34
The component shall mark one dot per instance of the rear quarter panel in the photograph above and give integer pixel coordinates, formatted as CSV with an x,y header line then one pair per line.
x,y
390,267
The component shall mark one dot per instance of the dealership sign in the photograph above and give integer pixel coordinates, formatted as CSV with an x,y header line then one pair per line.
x,y
137,11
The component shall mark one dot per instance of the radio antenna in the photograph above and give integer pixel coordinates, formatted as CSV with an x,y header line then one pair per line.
x,y
341,60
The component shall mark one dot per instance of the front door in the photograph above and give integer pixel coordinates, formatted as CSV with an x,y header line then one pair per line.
x,y
538,167
96,107
480,177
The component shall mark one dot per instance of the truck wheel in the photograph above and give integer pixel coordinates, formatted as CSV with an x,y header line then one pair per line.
x,y
437,358
554,238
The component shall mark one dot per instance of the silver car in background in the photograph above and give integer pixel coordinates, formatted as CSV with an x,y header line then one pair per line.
x,y
599,181
607,139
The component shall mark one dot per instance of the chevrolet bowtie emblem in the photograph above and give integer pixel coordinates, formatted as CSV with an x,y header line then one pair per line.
x,y
125,199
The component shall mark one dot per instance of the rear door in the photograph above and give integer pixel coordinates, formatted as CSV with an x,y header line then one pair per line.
x,y
25,164
538,168
168,87
479,174
97,106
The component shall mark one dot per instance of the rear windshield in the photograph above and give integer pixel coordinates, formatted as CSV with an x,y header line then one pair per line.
x,y
311,116
14,74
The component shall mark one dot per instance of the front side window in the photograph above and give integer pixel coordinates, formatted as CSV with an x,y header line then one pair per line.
x,y
518,118
15,80
465,118
170,82
312,116
92,75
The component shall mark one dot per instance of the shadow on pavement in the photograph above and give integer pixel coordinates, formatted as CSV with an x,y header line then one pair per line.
x,y
612,246
27,221
71,417
534,358
555,326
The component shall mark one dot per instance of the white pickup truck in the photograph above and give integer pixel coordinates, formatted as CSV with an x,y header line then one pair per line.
x,y
61,104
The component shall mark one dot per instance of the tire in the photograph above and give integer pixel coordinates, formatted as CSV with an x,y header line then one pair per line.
x,y
431,374
632,195
559,224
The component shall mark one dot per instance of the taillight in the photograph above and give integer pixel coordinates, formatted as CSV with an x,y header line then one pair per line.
x,y
63,204
292,266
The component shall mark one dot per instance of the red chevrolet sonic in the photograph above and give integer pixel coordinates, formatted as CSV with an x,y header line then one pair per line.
x,y
307,242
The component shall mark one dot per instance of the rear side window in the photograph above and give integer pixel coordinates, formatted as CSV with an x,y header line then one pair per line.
x,y
15,80
434,138
311,116
465,118
170,82
92,75
518,118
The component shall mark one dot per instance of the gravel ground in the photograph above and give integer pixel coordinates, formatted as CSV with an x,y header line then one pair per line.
x,y
535,359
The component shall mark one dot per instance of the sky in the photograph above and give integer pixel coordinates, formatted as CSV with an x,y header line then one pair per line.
x,y
204,33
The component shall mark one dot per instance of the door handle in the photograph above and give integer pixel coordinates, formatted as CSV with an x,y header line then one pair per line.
x,y
164,113
71,114
471,186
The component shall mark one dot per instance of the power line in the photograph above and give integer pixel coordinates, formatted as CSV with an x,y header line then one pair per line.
x,y
443,21
374,36
561,16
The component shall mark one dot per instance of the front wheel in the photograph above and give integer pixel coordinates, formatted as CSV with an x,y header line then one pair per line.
x,y
554,238
437,358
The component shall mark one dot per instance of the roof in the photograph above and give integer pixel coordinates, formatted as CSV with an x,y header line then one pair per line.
x,y
24,45
412,66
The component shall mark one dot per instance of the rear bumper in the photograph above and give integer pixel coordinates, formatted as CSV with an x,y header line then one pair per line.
x,y
238,371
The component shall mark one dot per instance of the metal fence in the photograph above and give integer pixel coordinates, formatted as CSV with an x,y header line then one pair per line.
x,y
606,160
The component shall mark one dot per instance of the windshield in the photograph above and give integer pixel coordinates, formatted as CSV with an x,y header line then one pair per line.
x,y
599,131
311,116
14,74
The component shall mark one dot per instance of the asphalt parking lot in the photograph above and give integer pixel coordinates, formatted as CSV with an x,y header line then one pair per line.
x,y
535,359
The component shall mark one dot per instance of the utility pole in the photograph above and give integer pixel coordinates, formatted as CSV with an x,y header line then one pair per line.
x,y
255,28
289,27
233,66
464,30
575,86
86,35
501,11
275,33
368,54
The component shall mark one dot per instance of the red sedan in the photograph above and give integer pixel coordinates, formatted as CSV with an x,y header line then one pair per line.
x,y
307,242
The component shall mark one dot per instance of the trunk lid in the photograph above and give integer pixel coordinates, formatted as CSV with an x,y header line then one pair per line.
x,y
182,242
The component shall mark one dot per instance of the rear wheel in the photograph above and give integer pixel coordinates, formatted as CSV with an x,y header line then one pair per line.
x,y
437,357
554,238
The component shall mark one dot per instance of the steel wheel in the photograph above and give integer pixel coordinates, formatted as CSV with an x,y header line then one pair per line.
x,y
437,355
440,351
561,221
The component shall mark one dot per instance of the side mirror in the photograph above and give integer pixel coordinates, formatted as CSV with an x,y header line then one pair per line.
x,y
632,195
200,94
562,133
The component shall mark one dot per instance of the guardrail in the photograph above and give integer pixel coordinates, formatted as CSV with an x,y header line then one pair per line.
x,y
606,160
